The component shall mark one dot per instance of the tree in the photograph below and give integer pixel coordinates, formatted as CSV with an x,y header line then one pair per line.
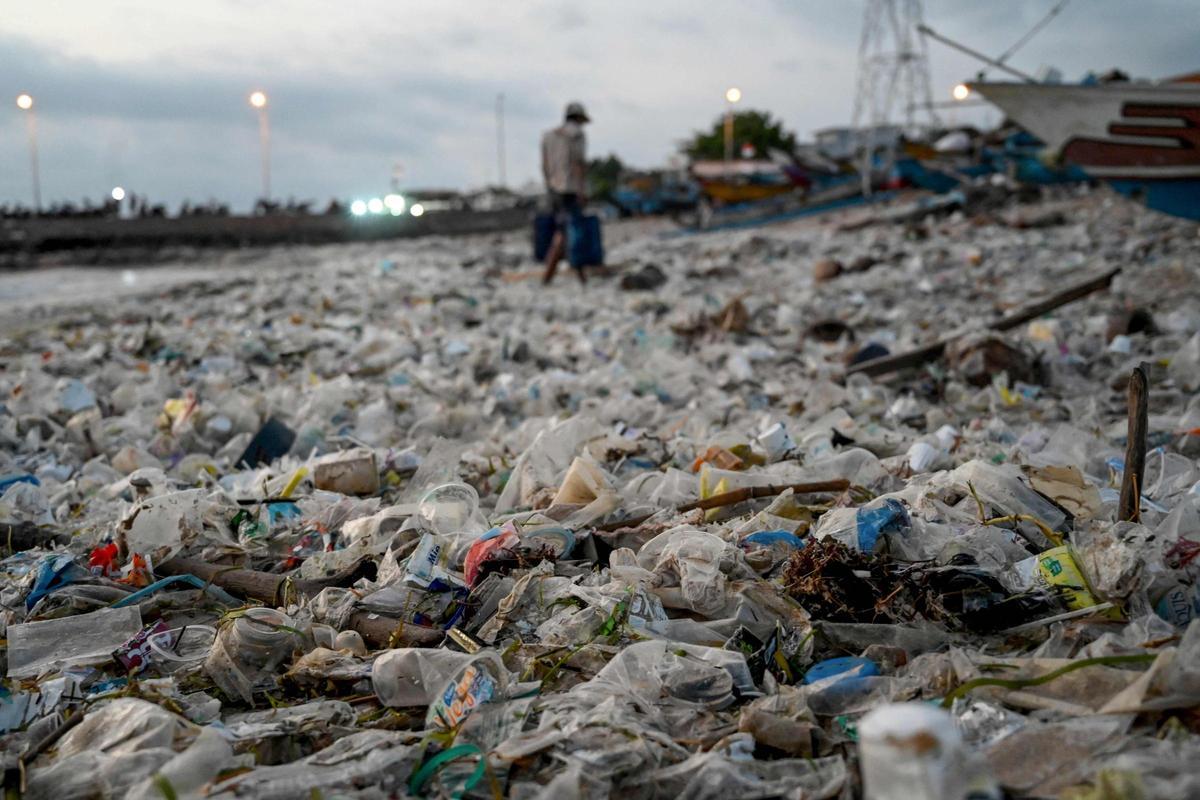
x,y
755,128
603,175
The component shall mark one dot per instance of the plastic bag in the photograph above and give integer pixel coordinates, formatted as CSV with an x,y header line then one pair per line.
x,y
861,528
693,559
38,647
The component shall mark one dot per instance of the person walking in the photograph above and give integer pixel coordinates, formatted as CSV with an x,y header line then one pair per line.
x,y
564,168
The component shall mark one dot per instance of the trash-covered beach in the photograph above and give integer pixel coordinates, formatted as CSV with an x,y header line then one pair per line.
x,y
394,519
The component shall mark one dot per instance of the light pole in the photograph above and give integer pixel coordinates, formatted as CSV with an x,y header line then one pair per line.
x,y
259,101
731,97
501,162
25,103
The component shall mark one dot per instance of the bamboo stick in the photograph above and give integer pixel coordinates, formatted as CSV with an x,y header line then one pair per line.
x,y
929,352
1135,447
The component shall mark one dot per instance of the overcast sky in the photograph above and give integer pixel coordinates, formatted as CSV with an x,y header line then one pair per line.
x,y
152,95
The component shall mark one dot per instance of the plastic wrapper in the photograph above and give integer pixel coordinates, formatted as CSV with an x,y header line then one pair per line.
x,y
862,528
692,560
449,684
380,758
655,672
37,647
711,776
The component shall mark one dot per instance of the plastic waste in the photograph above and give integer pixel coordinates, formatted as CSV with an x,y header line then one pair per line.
x,y
913,751
247,650
861,528
450,685
56,644
488,508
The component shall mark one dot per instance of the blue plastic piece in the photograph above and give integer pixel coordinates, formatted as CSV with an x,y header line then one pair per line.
x,y
54,573
8,480
218,594
282,512
889,517
769,538
850,667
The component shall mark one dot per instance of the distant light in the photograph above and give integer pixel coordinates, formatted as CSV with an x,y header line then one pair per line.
x,y
961,92
258,100
24,102
375,205
395,204
118,194
417,209
358,208
733,95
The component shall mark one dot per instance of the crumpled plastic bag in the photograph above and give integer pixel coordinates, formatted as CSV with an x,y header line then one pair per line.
x,y
690,559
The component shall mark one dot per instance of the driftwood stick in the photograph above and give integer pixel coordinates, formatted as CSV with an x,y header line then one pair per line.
x,y
737,496
1057,300
752,492
380,631
929,352
1135,447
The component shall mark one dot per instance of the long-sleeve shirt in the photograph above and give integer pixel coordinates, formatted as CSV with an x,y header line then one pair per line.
x,y
564,159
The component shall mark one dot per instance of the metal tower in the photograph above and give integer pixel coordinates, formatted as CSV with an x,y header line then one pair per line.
x,y
893,77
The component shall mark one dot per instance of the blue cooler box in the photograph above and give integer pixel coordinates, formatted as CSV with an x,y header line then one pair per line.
x,y
584,244
544,227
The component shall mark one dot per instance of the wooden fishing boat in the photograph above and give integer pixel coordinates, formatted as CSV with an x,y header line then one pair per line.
x,y
1142,138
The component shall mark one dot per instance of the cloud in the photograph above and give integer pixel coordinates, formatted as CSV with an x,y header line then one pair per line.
x,y
154,94
170,130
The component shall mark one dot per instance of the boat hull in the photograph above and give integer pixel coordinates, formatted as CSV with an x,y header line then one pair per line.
x,y
1143,139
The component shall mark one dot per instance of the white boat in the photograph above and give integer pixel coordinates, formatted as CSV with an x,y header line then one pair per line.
x,y
1142,138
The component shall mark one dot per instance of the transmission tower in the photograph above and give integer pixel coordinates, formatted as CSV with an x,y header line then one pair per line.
x,y
893,76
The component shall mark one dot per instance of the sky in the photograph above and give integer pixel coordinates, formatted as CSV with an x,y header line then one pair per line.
x,y
152,95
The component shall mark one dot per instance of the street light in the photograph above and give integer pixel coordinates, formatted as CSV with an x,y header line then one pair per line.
x,y
732,95
25,103
961,92
258,100
118,194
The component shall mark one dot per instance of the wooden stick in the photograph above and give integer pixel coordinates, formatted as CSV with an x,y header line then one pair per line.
x,y
737,496
1068,295
381,631
753,492
1135,447
929,352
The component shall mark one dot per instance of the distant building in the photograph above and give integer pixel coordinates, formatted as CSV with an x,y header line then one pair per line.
x,y
842,144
